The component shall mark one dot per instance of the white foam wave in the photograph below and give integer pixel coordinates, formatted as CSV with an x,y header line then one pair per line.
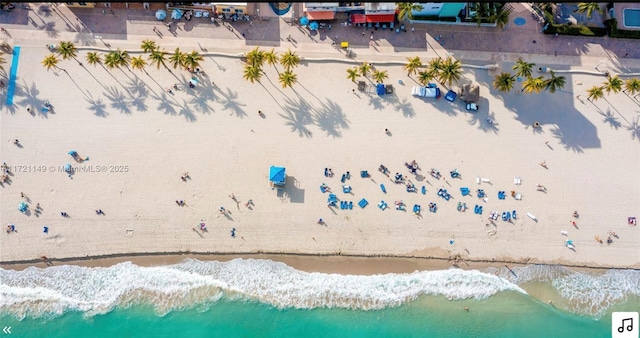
x,y
586,293
52,291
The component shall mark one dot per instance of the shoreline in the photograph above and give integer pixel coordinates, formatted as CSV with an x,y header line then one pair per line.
x,y
323,263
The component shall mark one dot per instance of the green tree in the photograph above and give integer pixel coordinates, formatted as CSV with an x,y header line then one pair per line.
x,y
451,71
380,75
271,58
148,46
595,93
504,82
481,12
93,58
252,73
632,86
158,57
523,68
435,66
352,74
413,65
500,18
138,63
288,78
255,57
192,60
555,83
177,58
405,10
533,85
588,8
118,58
365,69
426,76
66,49
613,84
289,60
51,61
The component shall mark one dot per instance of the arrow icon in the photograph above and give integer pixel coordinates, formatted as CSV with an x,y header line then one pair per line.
x,y
7,330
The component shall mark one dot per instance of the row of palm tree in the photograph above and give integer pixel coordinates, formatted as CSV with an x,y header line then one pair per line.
x,y
614,84
445,71
365,69
504,81
121,58
256,58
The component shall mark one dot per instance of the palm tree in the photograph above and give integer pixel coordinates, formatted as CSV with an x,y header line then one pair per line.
x,y
613,84
2,61
255,57
365,69
94,58
288,78
533,84
523,68
595,93
425,76
192,60
482,12
252,73
451,71
177,58
504,82
51,61
435,66
632,86
118,58
148,46
271,58
67,49
501,18
380,75
158,57
555,82
413,65
405,9
588,8
138,63
289,60
352,74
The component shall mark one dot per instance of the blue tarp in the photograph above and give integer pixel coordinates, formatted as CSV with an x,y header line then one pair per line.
x,y
277,175
380,89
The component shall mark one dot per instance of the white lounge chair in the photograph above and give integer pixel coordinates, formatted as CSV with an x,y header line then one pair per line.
x,y
516,180
485,180
532,216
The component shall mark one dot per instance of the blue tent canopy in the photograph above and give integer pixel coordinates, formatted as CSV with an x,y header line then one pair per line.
x,y
161,14
304,21
277,175
176,14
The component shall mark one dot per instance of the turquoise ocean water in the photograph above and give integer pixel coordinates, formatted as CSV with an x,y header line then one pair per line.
x,y
261,298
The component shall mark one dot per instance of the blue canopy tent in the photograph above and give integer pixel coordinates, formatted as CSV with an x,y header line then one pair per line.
x,y
314,26
304,21
380,89
277,175
161,14
176,14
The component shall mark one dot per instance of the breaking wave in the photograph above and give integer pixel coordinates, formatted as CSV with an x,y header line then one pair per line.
x,y
52,291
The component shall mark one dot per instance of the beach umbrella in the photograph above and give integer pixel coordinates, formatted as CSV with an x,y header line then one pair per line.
x,y
313,26
72,153
176,14
67,167
23,206
304,21
161,14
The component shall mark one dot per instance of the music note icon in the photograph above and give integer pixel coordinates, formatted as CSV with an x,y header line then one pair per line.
x,y
629,327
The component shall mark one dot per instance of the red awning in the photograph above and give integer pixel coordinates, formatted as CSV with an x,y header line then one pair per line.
x,y
321,15
380,18
358,18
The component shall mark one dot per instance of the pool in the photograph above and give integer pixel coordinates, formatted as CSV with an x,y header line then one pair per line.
x,y
631,17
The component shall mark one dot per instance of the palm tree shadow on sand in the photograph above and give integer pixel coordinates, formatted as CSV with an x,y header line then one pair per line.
x,y
331,119
634,128
229,102
118,100
97,106
205,93
611,120
29,98
298,116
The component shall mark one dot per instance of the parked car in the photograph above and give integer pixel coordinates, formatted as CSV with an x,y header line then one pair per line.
x,y
472,106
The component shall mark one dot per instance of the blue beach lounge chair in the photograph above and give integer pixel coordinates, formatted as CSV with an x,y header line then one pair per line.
x,y
350,205
464,191
382,205
384,190
513,214
424,190
363,203
346,189
416,209
364,174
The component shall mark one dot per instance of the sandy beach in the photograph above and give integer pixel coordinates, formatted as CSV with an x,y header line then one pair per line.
x,y
140,139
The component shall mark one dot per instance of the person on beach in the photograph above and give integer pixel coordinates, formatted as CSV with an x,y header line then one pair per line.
x,y
544,164
575,214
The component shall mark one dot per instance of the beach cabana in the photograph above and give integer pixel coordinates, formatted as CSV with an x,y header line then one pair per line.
x,y
277,176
